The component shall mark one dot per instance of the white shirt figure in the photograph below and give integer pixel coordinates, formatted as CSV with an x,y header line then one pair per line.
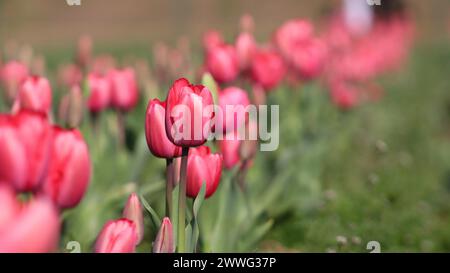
x,y
358,16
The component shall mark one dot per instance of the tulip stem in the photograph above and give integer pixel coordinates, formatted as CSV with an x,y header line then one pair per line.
x,y
121,128
169,185
182,201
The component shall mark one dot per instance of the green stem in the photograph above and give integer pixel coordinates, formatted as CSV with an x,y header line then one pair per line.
x,y
182,201
169,185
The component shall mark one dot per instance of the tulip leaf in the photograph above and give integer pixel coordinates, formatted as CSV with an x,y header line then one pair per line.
x,y
195,209
156,220
188,238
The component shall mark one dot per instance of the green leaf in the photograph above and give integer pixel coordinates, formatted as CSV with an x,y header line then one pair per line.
x,y
188,238
195,209
156,220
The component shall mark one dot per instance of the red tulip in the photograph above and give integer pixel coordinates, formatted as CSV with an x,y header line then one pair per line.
x,y
212,39
343,95
222,63
308,59
245,48
35,94
124,90
229,147
12,74
25,146
164,242
70,169
188,114
100,92
133,212
117,236
155,131
268,69
33,227
233,102
292,33
203,167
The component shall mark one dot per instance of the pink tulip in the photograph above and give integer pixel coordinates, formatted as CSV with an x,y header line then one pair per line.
x,y
117,236
308,59
188,121
267,69
212,39
292,33
100,92
229,147
233,102
25,146
245,48
164,242
343,95
70,169
12,75
133,212
124,90
35,94
70,75
203,167
32,228
155,131
222,63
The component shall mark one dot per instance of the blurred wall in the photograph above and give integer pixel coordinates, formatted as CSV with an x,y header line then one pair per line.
x,y
53,22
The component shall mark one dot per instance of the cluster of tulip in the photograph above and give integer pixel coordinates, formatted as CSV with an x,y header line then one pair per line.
x,y
42,175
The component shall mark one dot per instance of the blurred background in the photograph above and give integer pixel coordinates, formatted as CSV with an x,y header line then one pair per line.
x,y
380,172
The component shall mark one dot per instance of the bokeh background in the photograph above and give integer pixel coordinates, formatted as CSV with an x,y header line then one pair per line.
x,y
380,172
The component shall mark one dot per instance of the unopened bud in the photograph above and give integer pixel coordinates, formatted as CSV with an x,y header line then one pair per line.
x,y
164,242
133,212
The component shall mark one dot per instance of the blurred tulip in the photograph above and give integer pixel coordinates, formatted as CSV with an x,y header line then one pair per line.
x,y
103,64
343,95
155,131
84,51
268,69
203,167
12,75
309,59
117,236
164,242
222,63
70,75
292,33
71,107
229,147
133,212
70,169
25,146
124,89
245,48
34,94
212,39
99,92
30,228
246,23
187,123
233,102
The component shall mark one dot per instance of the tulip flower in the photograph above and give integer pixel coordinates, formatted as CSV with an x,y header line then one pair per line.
x,y
31,228
188,114
70,169
25,147
99,92
233,103
245,48
70,75
308,59
267,69
203,167
12,75
155,131
71,107
117,236
164,242
34,94
222,63
343,95
124,90
229,147
212,39
133,212
292,33
84,51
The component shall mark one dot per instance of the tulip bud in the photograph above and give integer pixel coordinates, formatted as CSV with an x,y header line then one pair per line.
x,y
124,89
117,236
267,69
203,167
99,92
32,228
84,51
70,75
35,94
70,169
71,107
189,110
233,102
25,147
155,131
245,48
133,212
12,75
164,242
246,23
222,63
212,39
